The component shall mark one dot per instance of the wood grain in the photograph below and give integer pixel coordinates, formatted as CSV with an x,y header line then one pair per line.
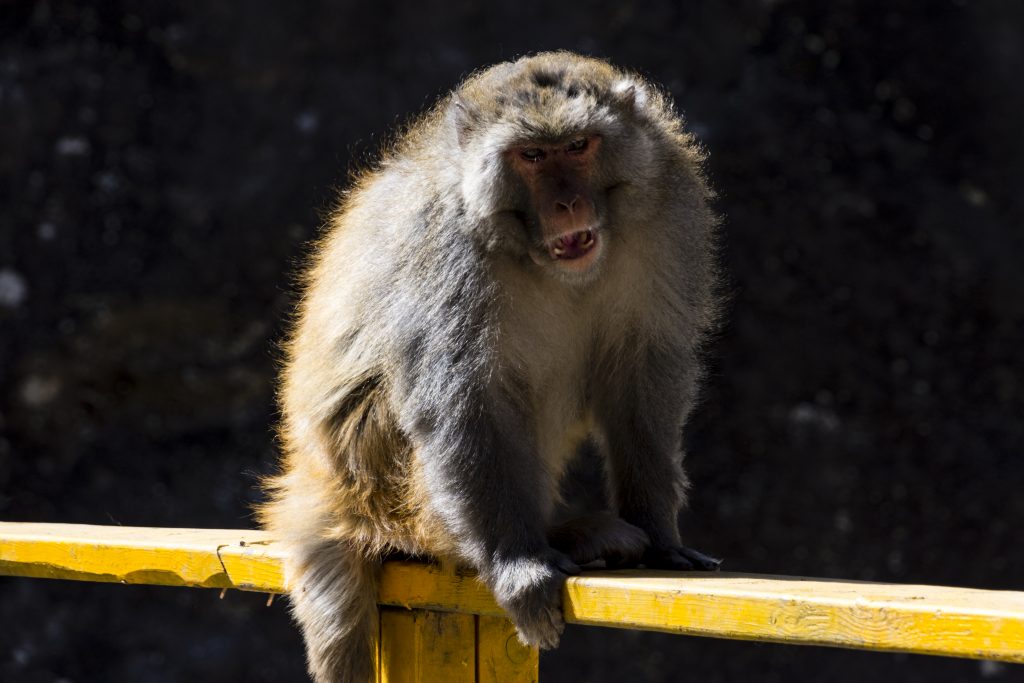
x,y
937,620
501,658
418,645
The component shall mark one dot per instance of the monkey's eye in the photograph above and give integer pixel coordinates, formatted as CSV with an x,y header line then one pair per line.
x,y
532,154
577,145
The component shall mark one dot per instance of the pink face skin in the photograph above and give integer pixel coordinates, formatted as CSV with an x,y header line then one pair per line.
x,y
559,178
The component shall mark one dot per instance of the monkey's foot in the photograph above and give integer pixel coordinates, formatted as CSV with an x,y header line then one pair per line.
x,y
600,536
681,558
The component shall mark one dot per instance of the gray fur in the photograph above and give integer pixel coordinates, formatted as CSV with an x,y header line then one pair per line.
x,y
495,367
334,603
599,536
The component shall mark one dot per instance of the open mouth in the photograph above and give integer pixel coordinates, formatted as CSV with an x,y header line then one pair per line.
x,y
573,245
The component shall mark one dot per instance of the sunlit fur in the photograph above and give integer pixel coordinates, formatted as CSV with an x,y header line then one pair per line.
x,y
438,380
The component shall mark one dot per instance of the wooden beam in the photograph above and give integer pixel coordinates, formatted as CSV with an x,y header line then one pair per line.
x,y
430,645
937,620
201,558
417,645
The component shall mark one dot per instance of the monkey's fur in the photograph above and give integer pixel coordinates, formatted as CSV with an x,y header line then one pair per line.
x,y
449,359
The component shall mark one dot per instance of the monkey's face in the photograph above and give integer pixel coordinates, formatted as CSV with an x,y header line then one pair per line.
x,y
562,209
545,146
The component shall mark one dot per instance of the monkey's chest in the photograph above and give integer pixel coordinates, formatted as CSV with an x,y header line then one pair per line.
x,y
554,346
553,362
562,422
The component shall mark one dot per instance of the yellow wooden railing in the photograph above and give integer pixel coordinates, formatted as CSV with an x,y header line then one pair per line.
x,y
440,626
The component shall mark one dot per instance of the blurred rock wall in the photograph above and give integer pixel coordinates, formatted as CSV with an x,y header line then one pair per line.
x,y
163,167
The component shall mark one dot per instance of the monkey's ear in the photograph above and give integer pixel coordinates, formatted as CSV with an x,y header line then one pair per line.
x,y
464,118
628,95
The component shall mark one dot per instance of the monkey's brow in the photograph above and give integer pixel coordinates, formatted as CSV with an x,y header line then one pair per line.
x,y
544,138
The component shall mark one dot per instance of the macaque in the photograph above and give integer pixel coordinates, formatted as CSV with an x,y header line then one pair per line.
x,y
528,271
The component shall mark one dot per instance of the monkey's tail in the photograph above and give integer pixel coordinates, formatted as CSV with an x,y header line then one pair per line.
x,y
333,592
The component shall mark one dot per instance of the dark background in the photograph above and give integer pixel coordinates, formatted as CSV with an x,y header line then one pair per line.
x,y
162,169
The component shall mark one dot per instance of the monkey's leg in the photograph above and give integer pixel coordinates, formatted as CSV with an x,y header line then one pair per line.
x,y
486,482
600,536
643,417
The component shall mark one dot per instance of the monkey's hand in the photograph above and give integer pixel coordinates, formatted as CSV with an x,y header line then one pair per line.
x,y
681,558
530,590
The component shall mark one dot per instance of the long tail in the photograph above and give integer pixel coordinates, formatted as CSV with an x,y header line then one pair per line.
x,y
333,594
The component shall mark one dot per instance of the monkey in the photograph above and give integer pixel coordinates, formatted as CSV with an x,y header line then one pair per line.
x,y
527,272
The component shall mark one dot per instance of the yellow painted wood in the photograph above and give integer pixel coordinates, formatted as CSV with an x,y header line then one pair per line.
x,y
377,667
397,646
959,622
501,658
923,619
209,558
413,585
417,646
875,616
254,564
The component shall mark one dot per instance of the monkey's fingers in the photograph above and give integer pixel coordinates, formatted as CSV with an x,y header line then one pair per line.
x,y
680,559
544,631
666,558
699,559
564,563
531,593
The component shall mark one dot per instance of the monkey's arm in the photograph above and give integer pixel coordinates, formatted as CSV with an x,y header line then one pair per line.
x,y
481,471
643,416
485,482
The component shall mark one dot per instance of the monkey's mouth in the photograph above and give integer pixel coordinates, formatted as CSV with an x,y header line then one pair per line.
x,y
572,245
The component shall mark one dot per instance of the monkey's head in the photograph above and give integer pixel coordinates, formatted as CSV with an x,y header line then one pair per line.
x,y
545,144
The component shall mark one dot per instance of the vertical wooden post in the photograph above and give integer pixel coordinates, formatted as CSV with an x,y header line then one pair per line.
x,y
500,655
424,646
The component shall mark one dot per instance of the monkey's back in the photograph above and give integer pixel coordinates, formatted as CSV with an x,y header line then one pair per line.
x,y
348,471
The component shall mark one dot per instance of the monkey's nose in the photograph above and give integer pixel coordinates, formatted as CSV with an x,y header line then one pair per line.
x,y
570,206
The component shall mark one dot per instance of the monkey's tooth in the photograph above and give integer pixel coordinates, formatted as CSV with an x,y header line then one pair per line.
x,y
557,251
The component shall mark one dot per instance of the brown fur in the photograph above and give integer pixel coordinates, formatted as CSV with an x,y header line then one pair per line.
x,y
443,370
